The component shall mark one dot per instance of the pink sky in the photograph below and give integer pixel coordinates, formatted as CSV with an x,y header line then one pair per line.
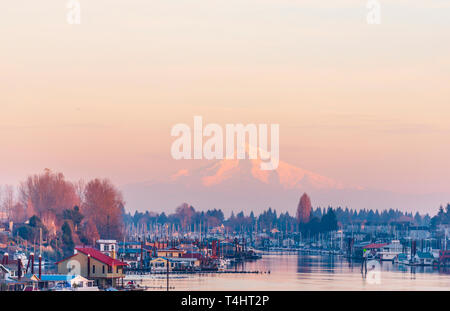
x,y
364,105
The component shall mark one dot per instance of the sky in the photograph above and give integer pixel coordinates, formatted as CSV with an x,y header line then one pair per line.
x,y
366,105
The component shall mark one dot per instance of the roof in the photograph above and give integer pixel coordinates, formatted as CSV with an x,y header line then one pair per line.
x,y
96,254
4,269
56,277
425,255
162,258
375,245
130,250
172,249
184,259
130,243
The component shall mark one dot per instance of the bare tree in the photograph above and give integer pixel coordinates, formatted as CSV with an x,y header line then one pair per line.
x,y
80,187
8,202
185,212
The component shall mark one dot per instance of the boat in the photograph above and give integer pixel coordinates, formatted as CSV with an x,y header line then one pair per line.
x,y
390,251
23,258
70,283
402,259
223,264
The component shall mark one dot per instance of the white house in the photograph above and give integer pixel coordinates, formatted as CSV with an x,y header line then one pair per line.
x,y
108,247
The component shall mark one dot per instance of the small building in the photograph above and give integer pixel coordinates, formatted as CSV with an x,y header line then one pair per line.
x,y
186,263
171,252
4,273
108,247
14,271
402,259
93,264
424,259
61,282
160,264
419,233
175,264
444,257
27,282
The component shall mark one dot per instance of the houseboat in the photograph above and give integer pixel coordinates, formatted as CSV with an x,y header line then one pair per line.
x,y
390,251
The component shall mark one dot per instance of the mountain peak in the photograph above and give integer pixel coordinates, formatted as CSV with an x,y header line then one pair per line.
x,y
287,176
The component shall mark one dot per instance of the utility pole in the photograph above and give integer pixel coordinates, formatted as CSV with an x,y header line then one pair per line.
x,y
167,274
40,241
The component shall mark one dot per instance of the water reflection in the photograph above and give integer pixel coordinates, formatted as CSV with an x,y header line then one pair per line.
x,y
311,272
316,263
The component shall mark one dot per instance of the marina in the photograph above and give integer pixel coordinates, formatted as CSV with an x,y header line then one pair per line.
x,y
306,272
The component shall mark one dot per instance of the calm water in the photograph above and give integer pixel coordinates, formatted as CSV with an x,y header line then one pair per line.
x,y
309,272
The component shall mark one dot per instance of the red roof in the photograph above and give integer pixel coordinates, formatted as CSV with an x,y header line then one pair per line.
x,y
375,245
96,254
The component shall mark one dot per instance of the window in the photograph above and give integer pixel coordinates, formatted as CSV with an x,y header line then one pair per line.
x,y
93,269
117,269
110,269
103,269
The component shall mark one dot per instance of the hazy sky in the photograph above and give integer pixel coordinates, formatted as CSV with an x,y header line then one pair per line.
x,y
366,105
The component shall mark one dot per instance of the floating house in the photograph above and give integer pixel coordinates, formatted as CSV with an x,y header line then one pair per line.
x,y
93,264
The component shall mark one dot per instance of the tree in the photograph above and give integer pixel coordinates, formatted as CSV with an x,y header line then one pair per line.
x,y
329,221
67,240
19,213
304,209
30,231
442,217
74,215
47,195
104,206
185,212
88,233
8,203
25,232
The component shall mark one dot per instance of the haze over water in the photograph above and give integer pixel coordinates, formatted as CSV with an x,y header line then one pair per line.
x,y
303,272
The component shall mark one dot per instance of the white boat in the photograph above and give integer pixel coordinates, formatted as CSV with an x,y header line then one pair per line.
x,y
223,264
402,259
75,283
390,251
23,258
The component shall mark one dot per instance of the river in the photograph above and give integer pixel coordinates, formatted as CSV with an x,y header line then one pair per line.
x,y
305,272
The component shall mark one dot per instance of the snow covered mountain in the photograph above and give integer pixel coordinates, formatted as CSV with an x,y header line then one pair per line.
x,y
233,185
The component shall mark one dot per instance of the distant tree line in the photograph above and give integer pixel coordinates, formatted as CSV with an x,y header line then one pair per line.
x,y
442,217
319,219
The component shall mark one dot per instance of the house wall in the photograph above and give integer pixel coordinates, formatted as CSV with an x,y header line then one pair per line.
x,y
78,264
173,254
160,264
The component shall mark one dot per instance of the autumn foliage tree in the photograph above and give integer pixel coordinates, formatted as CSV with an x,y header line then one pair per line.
x,y
104,206
47,195
304,209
